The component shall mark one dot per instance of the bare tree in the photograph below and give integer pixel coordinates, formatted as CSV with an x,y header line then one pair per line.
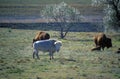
x,y
62,14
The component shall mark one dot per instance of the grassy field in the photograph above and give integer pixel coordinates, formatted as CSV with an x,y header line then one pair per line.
x,y
74,61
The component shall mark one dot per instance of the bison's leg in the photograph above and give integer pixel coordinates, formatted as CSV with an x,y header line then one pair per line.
x,y
51,55
103,48
34,54
95,41
37,55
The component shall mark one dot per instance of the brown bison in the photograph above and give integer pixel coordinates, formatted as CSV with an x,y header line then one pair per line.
x,y
102,41
41,36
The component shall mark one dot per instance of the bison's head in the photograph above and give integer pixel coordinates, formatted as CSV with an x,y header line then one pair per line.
x,y
58,44
108,43
34,40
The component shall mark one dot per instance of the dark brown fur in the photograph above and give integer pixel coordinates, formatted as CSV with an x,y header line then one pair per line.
x,y
41,36
102,41
96,48
118,51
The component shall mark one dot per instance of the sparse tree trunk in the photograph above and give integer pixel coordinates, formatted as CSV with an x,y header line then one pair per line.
x,y
64,33
61,33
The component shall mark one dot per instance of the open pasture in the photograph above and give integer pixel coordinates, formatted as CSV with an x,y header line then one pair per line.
x,y
74,61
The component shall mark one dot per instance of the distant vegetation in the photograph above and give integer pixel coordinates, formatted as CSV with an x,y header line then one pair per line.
x,y
25,10
14,8
43,1
112,14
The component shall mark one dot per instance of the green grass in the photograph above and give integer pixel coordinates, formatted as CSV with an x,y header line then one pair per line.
x,y
74,61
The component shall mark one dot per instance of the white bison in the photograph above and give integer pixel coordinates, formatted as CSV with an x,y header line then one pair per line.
x,y
50,46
